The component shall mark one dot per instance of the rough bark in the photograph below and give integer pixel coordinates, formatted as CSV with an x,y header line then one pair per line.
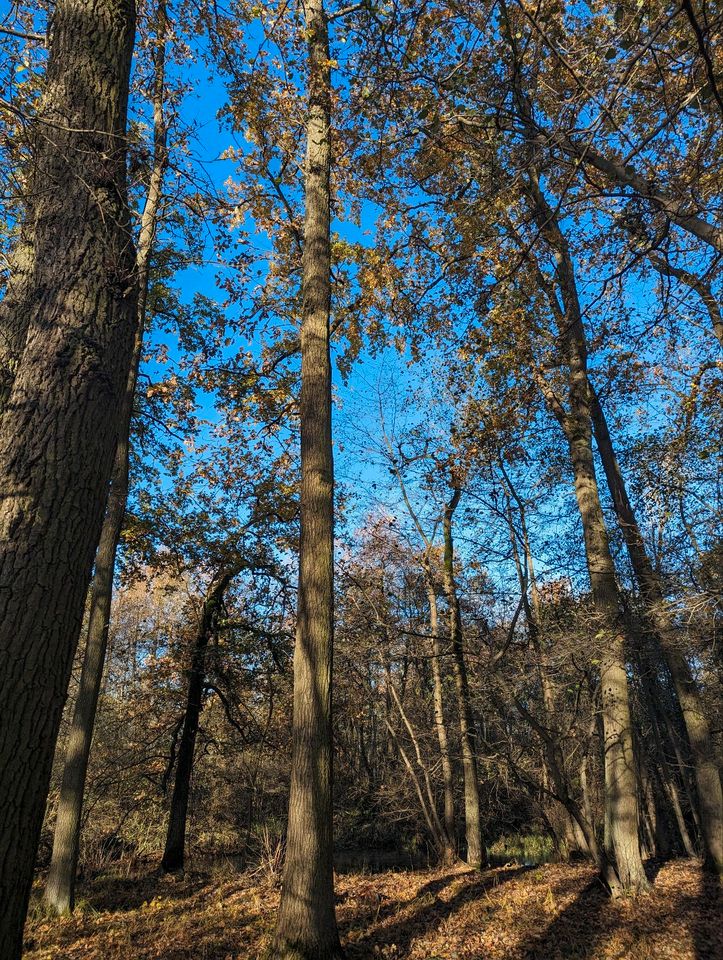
x,y
59,893
60,424
174,851
707,776
14,309
476,856
306,927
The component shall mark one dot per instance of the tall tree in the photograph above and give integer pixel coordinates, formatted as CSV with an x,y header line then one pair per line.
x,y
476,856
697,725
59,429
174,852
60,888
621,791
306,926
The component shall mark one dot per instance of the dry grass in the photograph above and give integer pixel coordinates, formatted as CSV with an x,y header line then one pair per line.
x,y
510,913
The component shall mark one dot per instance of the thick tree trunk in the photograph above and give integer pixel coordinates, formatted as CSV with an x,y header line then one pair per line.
x,y
707,776
60,887
621,797
173,854
449,852
60,424
306,927
476,855
14,310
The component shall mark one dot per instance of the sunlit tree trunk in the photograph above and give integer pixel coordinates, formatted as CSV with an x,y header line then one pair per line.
x,y
476,856
14,309
60,425
707,775
621,795
60,887
306,926
440,724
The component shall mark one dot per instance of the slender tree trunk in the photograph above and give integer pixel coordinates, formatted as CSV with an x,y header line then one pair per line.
x,y
476,856
621,796
568,832
429,808
173,854
707,775
621,779
651,698
60,888
60,425
306,927
449,853
580,815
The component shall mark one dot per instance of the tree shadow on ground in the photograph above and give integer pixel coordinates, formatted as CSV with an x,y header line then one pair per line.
x,y
427,912
593,921
682,912
119,894
708,925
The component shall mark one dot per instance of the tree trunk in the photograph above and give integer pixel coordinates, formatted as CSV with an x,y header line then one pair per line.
x,y
621,797
476,856
173,854
707,776
449,854
60,888
14,307
60,424
306,926
650,693
426,797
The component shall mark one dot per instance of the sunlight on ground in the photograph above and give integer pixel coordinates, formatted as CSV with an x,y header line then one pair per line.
x,y
509,913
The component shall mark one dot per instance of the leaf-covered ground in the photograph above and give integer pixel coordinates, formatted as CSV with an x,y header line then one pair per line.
x,y
509,913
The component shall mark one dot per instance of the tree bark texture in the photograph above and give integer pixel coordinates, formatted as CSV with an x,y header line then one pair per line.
x,y
59,427
306,927
621,796
60,887
14,310
449,853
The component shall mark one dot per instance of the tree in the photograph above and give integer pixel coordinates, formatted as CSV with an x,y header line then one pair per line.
x,y
60,888
697,725
476,856
174,852
59,428
306,926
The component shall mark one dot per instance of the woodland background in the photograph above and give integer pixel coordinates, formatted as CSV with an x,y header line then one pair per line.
x,y
526,344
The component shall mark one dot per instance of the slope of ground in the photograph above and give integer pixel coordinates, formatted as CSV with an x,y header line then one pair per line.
x,y
553,912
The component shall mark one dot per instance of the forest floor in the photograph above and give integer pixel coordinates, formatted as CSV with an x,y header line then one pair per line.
x,y
551,912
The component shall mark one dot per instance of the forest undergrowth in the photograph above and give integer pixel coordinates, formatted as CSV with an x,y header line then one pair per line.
x,y
551,912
